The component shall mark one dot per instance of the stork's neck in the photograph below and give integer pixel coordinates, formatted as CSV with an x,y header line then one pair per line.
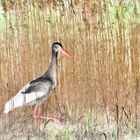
x,y
51,72
53,65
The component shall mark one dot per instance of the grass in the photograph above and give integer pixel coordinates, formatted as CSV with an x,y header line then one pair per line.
x,y
72,129
124,10
115,136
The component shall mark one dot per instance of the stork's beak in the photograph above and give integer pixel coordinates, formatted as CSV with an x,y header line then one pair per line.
x,y
65,52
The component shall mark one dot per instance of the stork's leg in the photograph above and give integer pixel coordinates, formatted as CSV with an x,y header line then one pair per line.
x,y
36,115
35,111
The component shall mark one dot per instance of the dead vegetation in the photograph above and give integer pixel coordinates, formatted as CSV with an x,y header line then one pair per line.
x,y
104,38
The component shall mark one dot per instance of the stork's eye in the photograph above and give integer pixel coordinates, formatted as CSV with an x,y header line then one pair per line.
x,y
57,46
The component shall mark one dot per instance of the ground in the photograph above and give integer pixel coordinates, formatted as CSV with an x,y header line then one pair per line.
x,y
80,129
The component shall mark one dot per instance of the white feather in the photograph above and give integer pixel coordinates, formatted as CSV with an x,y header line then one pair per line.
x,y
21,99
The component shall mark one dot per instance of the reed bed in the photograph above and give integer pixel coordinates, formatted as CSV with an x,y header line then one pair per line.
x,y
104,38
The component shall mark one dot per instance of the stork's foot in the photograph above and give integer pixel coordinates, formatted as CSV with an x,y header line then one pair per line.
x,y
53,119
38,117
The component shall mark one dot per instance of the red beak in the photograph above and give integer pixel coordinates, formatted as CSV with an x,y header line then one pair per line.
x,y
66,53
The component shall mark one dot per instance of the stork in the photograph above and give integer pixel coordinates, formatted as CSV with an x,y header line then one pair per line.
x,y
38,90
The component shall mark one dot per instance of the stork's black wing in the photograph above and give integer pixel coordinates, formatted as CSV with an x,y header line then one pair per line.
x,y
39,85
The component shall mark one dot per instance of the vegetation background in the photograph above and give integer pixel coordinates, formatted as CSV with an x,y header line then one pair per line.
x,y
102,35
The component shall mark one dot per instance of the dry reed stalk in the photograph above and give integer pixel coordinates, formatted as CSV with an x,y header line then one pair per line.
x,y
106,58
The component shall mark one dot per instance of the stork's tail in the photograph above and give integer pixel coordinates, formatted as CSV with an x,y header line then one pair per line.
x,y
14,102
17,101
9,106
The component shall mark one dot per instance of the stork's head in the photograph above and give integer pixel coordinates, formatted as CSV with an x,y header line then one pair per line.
x,y
58,47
